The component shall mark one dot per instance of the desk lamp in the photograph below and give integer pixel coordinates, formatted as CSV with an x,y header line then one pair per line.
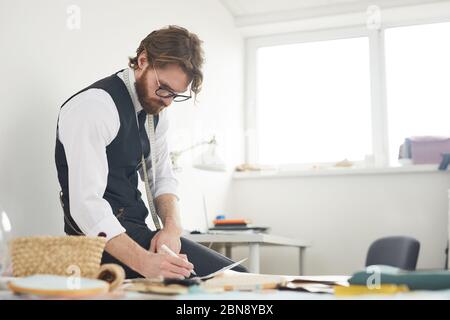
x,y
209,160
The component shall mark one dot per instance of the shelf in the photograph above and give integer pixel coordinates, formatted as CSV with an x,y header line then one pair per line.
x,y
333,171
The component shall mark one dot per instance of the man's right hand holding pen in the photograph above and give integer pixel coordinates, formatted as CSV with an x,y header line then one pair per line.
x,y
148,264
169,266
173,254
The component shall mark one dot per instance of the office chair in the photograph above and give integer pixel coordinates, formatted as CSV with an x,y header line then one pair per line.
x,y
399,251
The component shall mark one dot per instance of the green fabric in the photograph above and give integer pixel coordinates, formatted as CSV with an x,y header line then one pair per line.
x,y
415,280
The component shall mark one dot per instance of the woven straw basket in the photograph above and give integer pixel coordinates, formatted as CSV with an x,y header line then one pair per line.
x,y
65,255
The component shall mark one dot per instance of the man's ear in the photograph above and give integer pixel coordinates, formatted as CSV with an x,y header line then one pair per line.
x,y
142,60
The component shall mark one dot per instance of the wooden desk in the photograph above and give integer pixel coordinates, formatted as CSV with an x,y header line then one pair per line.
x,y
254,241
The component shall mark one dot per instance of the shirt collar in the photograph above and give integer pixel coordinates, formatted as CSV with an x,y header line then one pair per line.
x,y
137,105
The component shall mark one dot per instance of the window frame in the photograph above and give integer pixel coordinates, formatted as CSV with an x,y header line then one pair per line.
x,y
378,91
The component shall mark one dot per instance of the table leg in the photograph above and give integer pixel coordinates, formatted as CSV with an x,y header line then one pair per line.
x,y
254,257
301,261
228,250
215,246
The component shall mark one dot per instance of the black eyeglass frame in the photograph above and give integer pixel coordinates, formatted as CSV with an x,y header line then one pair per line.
x,y
175,97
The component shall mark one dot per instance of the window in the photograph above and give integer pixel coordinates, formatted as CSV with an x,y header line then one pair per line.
x,y
418,82
313,102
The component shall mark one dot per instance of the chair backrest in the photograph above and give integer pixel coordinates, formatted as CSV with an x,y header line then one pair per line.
x,y
399,251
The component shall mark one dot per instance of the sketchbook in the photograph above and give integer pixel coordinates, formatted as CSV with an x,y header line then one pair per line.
x,y
215,273
170,286
242,281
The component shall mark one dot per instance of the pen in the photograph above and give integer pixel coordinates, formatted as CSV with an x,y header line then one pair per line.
x,y
173,254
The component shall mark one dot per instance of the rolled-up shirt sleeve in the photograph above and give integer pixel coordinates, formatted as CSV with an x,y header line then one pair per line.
x,y
87,124
166,182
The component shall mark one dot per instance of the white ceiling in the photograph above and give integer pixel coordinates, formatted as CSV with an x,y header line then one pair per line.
x,y
251,7
245,8
262,17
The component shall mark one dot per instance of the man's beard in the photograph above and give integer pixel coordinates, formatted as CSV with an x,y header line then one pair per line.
x,y
150,105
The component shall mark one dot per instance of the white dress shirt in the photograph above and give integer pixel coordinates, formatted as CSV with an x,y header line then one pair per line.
x,y
87,124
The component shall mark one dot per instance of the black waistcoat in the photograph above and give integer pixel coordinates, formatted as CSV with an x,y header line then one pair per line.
x,y
124,156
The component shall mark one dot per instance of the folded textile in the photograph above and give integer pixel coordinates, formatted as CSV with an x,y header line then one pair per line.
x,y
355,290
415,280
428,149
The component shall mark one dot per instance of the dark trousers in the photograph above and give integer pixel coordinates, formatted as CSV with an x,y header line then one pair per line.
x,y
205,260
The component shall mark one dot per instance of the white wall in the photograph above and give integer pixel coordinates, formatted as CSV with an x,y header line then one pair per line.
x,y
342,215
43,63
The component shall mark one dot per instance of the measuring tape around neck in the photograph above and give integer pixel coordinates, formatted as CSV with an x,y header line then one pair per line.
x,y
150,129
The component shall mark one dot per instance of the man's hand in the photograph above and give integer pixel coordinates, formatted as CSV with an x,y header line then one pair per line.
x,y
168,237
159,264
146,263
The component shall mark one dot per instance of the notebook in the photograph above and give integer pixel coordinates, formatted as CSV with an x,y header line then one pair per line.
x,y
215,273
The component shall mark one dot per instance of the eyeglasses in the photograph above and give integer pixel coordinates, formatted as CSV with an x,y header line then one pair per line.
x,y
167,93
